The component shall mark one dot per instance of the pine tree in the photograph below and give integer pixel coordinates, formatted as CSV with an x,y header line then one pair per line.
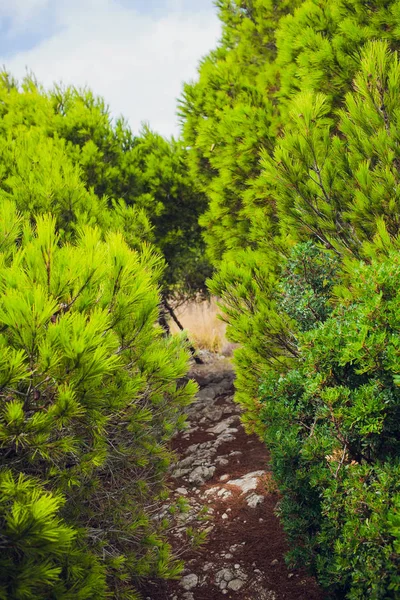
x,y
143,174
322,169
89,401
229,115
281,177
62,151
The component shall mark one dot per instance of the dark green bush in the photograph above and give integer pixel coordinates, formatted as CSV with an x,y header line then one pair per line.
x,y
333,426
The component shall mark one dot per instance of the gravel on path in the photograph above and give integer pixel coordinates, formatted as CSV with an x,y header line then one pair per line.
x,y
222,468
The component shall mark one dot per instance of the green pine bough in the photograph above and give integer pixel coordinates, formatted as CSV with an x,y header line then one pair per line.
x,y
89,400
292,129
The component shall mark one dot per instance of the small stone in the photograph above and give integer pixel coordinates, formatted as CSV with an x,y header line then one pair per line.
x,y
248,482
182,491
254,500
189,581
237,566
223,585
224,477
225,516
290,575
235,584
201,474
224,591
274,562
225,575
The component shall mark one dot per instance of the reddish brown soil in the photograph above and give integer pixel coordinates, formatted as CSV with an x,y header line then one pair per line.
x,y
260,540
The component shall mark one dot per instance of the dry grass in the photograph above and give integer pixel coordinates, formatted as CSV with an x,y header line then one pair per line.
x,y
205,329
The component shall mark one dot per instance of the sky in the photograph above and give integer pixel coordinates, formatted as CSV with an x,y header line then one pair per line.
x,y
134,53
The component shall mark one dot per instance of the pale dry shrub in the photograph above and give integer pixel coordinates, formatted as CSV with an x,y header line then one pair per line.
x,y
205,329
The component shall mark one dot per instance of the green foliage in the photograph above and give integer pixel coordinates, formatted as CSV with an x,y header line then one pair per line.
x,y
319,45
229,116
279,163
340,188
306,285
89,401
62,152
292,129
146,173
40,556
333,428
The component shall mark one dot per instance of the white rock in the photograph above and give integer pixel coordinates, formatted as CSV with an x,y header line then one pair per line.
x,y
235,584
228,575
192,449
188,582
186,462
248,482
201,474
254,500
211,492
182,491
223,426
225,516
223,575
224,477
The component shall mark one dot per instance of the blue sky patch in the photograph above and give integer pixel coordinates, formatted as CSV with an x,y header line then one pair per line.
x,y
27,35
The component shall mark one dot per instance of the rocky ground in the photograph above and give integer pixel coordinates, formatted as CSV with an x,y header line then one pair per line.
x,y
224,469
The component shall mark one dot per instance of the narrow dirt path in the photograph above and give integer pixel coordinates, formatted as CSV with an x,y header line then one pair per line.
x,y
223,468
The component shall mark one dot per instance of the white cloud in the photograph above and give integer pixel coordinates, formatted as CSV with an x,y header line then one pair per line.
x,y
136,61
21,11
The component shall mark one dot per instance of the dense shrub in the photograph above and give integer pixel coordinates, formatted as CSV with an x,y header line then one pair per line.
x,y
89,400
333,426
293,134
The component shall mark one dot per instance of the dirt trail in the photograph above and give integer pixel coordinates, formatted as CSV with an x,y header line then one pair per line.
x,y
225,469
